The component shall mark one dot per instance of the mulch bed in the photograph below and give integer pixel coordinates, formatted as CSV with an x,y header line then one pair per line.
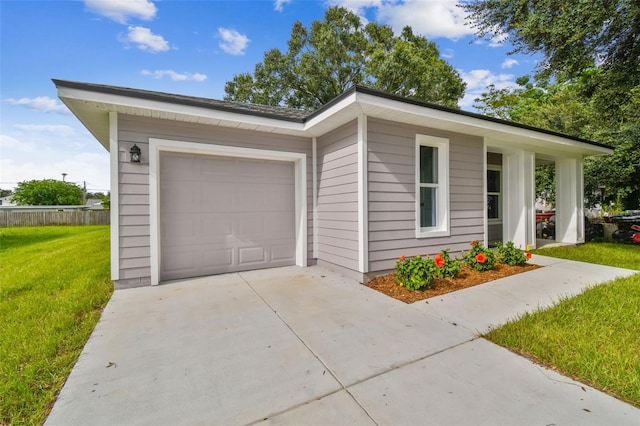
x,y
466,278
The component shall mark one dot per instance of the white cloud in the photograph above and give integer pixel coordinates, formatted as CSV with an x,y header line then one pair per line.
x,y
54,129
89,167
232,41
498,40
145,40
175,76
478,81
121,10
447,53
11,144
509,63
278,4
45,151
41,103
433,18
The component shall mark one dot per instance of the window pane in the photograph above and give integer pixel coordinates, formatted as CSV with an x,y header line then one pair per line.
x,y
493,207
427,207
428,164
493,181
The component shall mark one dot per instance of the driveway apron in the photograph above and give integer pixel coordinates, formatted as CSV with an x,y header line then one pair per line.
x,y
307,346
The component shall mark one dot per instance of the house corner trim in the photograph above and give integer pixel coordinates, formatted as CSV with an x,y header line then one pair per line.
x,y
115,199
363,208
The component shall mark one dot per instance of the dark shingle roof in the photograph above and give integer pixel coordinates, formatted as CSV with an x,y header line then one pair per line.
x,y
280,113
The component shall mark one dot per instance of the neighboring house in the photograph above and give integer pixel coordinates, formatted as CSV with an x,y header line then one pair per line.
x,y
225,187
93,204
6,201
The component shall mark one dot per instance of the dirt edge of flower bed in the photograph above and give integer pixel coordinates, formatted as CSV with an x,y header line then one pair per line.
x,y
466,278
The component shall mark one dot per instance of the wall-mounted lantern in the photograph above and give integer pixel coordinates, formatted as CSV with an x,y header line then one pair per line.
x,y
135,154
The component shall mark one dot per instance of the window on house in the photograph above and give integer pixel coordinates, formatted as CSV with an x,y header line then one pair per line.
x,y
494,193
432,191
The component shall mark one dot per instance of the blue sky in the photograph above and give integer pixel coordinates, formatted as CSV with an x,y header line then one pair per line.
x,y
185,47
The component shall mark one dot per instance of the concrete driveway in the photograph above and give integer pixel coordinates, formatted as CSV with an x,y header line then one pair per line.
x,y
307,346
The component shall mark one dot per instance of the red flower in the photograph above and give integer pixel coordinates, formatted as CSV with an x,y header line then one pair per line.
x,y
636,238
474,242
481,258
528,255
439,261
402,258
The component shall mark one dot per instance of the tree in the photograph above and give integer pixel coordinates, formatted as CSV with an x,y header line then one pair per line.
x,y
47,192
325,60
592,51
574,37
5,192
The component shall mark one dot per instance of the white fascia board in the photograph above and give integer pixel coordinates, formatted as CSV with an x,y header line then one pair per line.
x,y
474,125
331,111
109,99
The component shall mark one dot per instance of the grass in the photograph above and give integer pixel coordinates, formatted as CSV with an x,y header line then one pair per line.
x,y
592,337
54,282
610,254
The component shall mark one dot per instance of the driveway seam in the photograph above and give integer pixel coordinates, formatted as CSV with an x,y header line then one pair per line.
x,y
312,352
346,387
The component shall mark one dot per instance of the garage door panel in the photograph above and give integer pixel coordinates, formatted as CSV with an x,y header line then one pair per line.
x,y
215,200
234,214
182,227
251,255
281,252
180,263
213,260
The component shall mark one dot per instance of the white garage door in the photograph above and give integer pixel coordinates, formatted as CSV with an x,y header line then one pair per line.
x,y
224,214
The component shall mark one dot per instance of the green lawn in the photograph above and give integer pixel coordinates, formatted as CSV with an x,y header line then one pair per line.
x,y
592,337
54,282
611,254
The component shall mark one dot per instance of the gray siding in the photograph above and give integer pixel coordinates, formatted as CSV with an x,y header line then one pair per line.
x,y
391,181
133,180
338,197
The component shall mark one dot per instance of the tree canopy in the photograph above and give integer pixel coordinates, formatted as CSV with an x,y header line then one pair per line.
x,y
47,192
332,55
573,36
587,86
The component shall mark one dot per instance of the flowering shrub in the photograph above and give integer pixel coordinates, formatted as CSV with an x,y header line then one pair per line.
x,y
479,258
445,267
415,273
511,255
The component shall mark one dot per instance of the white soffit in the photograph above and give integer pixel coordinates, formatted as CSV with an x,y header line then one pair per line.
x,y
85,103
501,134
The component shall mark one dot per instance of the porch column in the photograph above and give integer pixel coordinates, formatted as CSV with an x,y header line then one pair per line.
x,y
519,187
569,200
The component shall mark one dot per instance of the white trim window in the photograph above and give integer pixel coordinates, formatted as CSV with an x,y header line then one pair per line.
x,y
494,193
432,186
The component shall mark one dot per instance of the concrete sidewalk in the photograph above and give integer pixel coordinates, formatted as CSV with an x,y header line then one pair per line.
x,y
492,304
307,346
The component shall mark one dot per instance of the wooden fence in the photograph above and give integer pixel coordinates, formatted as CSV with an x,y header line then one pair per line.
x,y
43,218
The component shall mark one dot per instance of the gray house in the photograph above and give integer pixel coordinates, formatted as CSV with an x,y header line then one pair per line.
x,y
224,187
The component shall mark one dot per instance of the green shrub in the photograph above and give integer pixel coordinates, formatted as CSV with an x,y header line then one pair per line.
x,y
511,255
479,258
415,273
445,266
